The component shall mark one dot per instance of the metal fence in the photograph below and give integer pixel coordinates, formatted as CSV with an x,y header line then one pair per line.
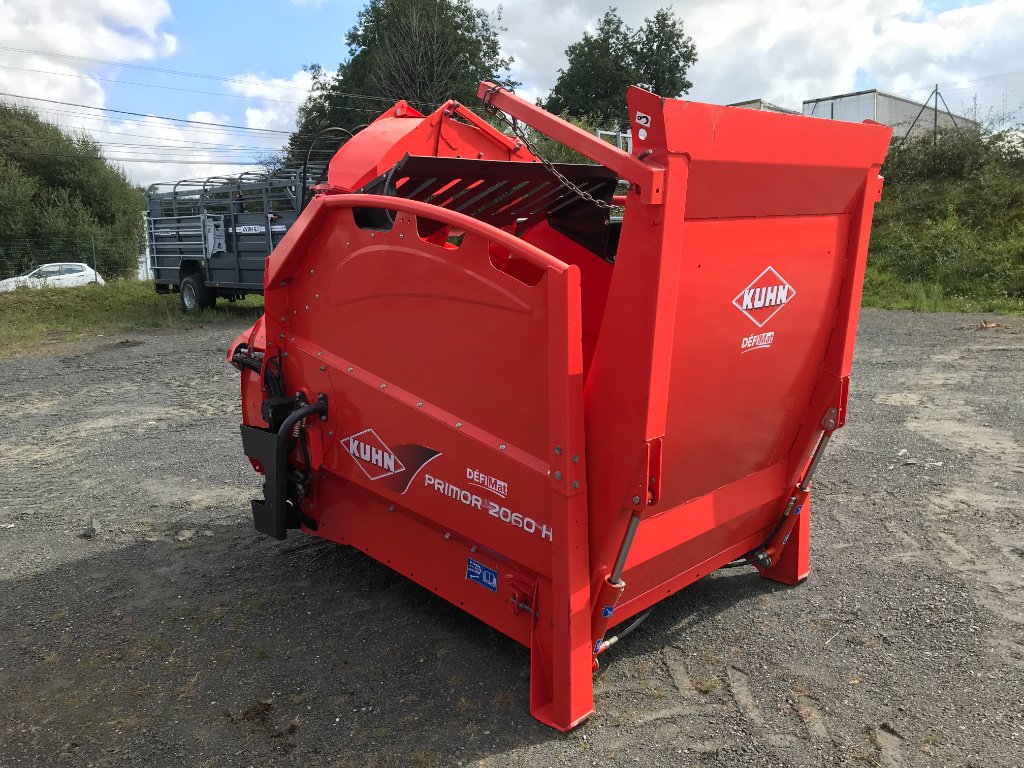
x,y
997,101
18,256
994,103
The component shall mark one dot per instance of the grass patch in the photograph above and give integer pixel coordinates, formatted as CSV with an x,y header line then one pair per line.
x,y
37,320
707,685
948,234
885,290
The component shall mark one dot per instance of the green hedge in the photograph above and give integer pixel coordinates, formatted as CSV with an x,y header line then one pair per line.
x,y
951,220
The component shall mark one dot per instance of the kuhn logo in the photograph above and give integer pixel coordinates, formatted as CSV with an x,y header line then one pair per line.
x,y
372,455
764,297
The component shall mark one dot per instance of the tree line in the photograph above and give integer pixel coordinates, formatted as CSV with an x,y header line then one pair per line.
x,y
428,51
57,190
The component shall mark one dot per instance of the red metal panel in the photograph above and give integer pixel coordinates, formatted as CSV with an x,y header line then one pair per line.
x,y
595,279
454,363
749,403
442,317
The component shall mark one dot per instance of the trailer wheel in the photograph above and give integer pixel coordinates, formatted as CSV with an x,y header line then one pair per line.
x,y
195,295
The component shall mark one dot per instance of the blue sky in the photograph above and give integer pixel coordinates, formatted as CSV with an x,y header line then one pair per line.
x,y
269,39
785,51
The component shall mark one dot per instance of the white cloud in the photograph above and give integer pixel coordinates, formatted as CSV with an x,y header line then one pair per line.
x,y
182,152
789,50
122,30
150,149
279,99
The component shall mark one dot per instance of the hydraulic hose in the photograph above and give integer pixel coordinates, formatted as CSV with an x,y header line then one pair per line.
x,y
636,622
284,433
272,379
242,359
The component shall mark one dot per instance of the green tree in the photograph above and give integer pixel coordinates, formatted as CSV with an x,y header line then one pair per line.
x,y
424,51
662,55
602,65
58,196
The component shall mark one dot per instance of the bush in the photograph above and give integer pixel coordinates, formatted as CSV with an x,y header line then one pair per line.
x,y
952,217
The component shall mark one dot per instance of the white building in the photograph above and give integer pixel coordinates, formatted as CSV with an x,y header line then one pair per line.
x,y
763,106
895,111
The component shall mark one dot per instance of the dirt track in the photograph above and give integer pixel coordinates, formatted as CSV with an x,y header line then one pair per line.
x,y
144,622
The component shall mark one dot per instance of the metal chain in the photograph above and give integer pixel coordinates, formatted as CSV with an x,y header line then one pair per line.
x,y
581,193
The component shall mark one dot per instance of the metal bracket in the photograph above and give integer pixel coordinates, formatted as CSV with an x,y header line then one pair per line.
x,y
274,514
524,597
830,421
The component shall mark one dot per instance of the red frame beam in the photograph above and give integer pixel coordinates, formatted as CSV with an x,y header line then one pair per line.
x,y
645,176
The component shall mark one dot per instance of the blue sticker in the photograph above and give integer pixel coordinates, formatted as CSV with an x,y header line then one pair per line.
x,y
607,611
481,574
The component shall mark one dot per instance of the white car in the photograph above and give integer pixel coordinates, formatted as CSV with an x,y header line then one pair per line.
x,y
53,275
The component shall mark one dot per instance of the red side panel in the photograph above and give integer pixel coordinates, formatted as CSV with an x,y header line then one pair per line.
x,y
741,378
450,383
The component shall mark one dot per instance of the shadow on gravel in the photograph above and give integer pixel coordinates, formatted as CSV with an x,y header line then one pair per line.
x,y
229,649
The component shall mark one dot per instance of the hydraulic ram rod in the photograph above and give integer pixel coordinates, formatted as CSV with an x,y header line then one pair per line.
x,y
764,558
611,589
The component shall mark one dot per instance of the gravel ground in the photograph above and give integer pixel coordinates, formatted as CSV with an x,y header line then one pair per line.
x,y
144,622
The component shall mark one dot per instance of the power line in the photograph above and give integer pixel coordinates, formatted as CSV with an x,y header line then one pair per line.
x,y
176,161
35,141
219,78
84,116
146,85
141,114
178,144
128,134
193,125
149,69
156,161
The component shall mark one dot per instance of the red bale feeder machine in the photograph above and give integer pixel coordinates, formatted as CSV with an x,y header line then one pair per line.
x,y
550,417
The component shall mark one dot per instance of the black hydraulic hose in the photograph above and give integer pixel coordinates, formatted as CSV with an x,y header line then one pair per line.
x,y
637,621
304,448
273,380
634,624
284,433
242,359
